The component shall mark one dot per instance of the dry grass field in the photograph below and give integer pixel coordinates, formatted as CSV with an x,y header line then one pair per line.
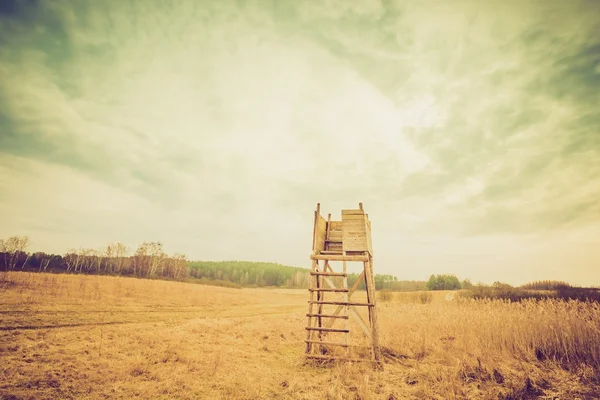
x,y
94,337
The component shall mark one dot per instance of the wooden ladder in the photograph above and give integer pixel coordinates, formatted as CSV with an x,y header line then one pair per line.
x,y
321,323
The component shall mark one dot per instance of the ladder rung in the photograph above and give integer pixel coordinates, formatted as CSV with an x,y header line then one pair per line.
x,y
328,273
328,290
331,252
340,257
326,329
341,303
327,316
332,241
321,357
328,343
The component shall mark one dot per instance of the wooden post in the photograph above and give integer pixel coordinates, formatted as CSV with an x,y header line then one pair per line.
x,y
371,295
320,307
346,299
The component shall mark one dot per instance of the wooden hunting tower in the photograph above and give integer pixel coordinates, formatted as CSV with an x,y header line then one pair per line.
x,y
348,240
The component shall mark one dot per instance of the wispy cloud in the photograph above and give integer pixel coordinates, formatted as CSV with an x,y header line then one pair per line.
x,y
216,126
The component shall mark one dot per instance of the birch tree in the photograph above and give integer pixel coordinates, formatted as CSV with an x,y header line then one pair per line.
x,y
14,250
73,260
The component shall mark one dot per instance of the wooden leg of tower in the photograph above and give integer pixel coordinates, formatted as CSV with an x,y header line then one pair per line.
x,y
320,306
370,285
346,313
311,285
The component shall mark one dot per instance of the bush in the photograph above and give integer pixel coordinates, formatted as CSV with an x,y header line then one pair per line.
x,y
502,292
386,295
425,297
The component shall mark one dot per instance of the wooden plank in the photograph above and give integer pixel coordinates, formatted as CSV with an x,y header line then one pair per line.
x,y
369,279
355,233
355,245
320,233
334,358
310,307
339,258
326,252
353,217
352,212
329,316
354,227
336,225
368,234
321,329
352,246
354,240
353,237
329,290
329,273
320,298
343,303
315,230
327,343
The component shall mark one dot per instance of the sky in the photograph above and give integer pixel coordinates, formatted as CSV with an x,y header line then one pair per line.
x,y
470,130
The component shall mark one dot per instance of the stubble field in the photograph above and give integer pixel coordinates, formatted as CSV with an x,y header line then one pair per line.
x,y
93,337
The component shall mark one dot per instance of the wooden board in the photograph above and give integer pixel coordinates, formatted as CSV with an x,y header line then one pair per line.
x,y
335,247
354,231
369,243
352,212
336,225
335,236
320,232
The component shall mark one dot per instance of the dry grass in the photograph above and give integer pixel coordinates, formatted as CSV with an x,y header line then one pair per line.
x,y
66,336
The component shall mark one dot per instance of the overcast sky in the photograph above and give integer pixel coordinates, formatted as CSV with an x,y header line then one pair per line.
x,y
470,130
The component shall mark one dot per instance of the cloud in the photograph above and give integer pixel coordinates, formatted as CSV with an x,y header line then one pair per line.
x,y
216,126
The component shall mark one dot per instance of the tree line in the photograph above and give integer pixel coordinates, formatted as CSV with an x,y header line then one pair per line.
x,y
250,274
149,260
545,285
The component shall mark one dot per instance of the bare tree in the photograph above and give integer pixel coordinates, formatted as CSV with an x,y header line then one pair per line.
x,y
14,250
73,260
43,259
115,254
176,266
120,253
87,260
140,260
97,257
157,258
148,259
